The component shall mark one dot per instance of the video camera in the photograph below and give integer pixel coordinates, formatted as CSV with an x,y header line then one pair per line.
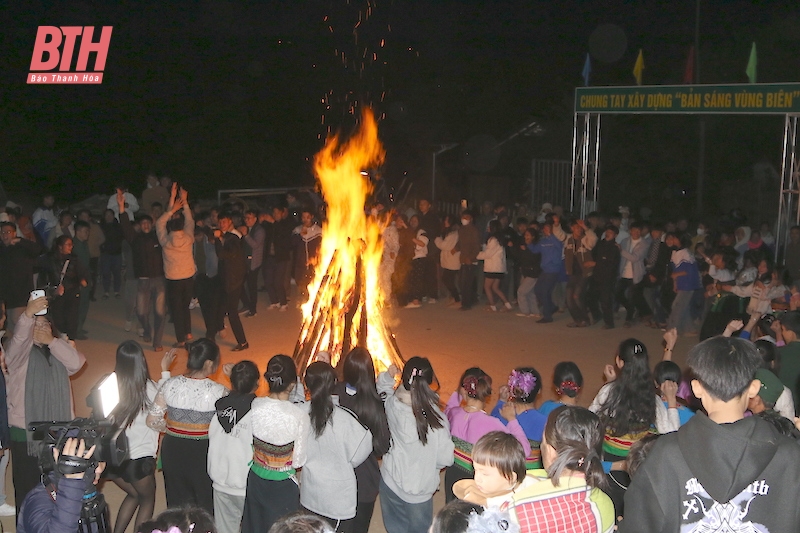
x,y
111,447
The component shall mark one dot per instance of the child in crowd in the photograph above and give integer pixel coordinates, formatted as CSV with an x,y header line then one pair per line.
x,y
337,444
668,371
517,402
230,446
723,468
421,447
494,266
469,422
627,404
567,495
280,433
568,382
358,393
418,264
301,522
499,472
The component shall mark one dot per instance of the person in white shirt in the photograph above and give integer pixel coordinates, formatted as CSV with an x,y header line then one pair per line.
x,y
136,475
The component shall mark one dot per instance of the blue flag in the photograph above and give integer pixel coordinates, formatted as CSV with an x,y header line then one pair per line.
x,y
587,69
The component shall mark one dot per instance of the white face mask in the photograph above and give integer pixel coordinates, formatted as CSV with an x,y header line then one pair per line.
x,y
464,221
701,231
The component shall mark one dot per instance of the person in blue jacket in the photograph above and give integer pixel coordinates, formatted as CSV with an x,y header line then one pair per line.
x,y
551,249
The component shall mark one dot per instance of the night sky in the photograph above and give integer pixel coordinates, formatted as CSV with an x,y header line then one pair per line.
x,y
242,94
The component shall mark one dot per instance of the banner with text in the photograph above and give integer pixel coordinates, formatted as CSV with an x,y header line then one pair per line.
x,y
761,98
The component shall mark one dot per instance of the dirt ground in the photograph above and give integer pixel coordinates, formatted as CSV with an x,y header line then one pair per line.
x,y
452,339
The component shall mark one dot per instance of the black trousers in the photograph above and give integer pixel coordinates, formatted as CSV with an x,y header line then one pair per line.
x,y
601,299
449,279
232,297
186,480
65,312
210,294
275,273
624,297
250,293
469,296
432,275
24,472
179,295
266,501
94,269
360,523
576,297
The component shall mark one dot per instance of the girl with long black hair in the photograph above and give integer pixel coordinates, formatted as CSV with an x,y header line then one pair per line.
x,y
136,475
358,393
628,405
420,448
188,401
338,444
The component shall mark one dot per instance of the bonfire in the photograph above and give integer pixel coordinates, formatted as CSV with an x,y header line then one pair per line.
x,y
345,305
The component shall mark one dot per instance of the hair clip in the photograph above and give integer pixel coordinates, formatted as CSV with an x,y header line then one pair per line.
x,y
580,461
638,348
470,386
521,384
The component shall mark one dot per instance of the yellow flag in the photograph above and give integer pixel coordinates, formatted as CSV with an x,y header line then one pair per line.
x,y
638,68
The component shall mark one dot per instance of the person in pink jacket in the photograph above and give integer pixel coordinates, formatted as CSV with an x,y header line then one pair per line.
x,y
469,422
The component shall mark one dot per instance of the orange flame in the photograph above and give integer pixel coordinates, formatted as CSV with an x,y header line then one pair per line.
x,y
345,299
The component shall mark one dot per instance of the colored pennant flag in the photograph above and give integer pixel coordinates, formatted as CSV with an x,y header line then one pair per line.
x,y
587,69
688,73
638,68
752,64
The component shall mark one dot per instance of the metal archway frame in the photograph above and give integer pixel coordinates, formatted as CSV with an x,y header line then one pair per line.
x,y
738,99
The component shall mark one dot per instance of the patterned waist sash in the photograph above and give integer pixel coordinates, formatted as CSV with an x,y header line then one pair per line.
x,y
620,446
462,455
271,461
534,460
187,423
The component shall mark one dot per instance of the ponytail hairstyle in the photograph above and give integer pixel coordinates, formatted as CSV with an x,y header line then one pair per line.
x,y
577,436
320,380
417,379
524,384
567,379
631,403
359,372
281,373
200,351
132,378
476,383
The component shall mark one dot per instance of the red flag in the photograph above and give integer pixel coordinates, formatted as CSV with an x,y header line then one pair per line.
x,y
688,74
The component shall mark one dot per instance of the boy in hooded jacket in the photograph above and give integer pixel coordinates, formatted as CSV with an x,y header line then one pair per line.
x,y
720,472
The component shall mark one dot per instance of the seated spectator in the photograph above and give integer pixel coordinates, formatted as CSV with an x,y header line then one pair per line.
x,y
517,402
568,494
469,422
667,374
723,467
628,406
301,522
568,382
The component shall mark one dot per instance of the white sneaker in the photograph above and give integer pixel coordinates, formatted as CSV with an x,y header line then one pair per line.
x,y
508,306
128,326
194,303
283,308
431,300
140,332
7,510
274,306
413,305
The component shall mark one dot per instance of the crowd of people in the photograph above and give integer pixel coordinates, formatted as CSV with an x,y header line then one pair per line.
x,y
709,447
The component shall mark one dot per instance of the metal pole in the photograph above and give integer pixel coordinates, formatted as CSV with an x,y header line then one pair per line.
x,y
574,162
433,179
587,131
596,166
701,158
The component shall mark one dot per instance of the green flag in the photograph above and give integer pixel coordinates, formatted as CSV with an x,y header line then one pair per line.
x,y
752,65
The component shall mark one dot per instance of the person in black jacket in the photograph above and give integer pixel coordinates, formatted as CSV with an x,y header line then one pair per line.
x,y
64,274
232,269
277,256
111,253
529,265
148,267
606,256
17,261
647,293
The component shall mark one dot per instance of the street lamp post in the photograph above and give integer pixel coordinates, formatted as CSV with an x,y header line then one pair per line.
x,y
442,148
